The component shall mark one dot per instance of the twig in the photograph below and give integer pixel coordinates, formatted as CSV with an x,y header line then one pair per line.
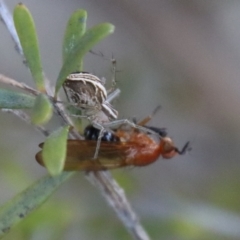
x,y
116,197
109,188
22,115
6,17
58,108
14,83
61,112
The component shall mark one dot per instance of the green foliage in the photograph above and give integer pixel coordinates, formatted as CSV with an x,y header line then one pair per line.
x,y
77,42
75,29
42,110
14,100
54,151
20,206
43,225
73,62
28,37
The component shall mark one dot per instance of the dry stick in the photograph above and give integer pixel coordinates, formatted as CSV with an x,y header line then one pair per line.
x,y
103,180
14,83
19,113
22,115
116,197
6,17
58,109
109,188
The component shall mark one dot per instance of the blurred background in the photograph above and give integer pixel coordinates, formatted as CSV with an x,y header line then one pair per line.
x,y
182,55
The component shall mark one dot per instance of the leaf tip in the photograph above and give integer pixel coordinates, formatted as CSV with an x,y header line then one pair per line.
x,y
20,5
111,28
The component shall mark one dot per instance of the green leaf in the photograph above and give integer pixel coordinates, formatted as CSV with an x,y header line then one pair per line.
x,y
73,62
42,110
28,37
76,27
14,100
24,203
54,151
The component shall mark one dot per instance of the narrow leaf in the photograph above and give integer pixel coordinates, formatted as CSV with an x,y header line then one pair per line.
x,y
54,151
73,62
14,100
76,27
24,203
42,110
28,37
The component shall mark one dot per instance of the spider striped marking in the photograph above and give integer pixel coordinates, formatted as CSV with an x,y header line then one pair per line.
x,y
88,93
85,89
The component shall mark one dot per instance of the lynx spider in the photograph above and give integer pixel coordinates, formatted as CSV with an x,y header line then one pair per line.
x,y
88,93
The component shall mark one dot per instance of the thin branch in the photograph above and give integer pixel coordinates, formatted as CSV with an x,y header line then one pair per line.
x,y
22,115
61,112
57,107
14,83
109,188
6,16
7,19
116,197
